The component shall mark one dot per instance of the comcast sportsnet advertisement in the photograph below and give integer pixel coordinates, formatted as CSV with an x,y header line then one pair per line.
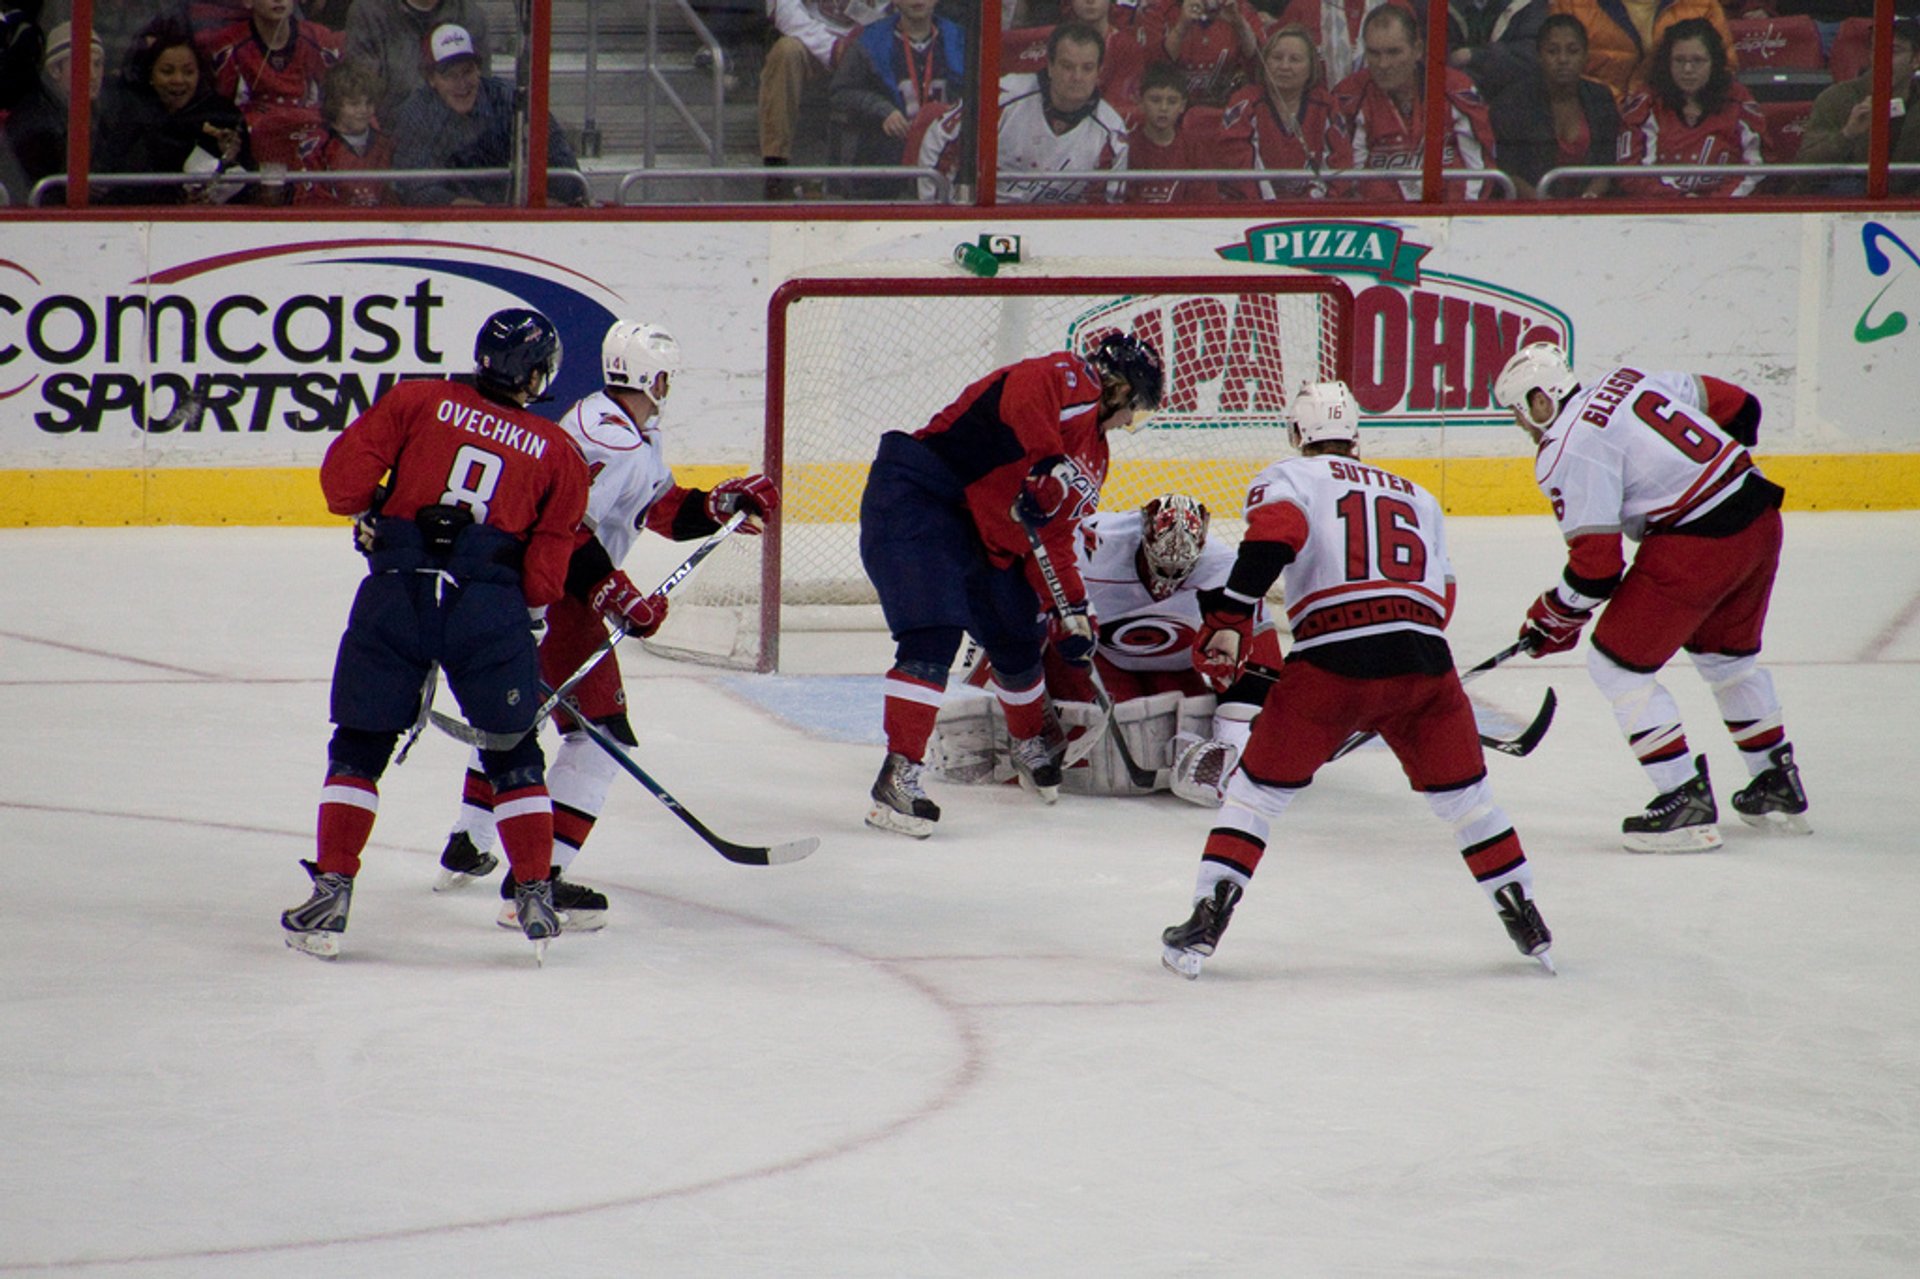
x,y
260,354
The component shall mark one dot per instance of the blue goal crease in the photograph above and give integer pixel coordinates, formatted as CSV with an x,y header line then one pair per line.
x,y
834,708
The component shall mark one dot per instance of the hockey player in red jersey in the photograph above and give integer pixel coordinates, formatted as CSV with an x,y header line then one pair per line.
x,y
946,523
1662,459
1369,589
618,431
467,543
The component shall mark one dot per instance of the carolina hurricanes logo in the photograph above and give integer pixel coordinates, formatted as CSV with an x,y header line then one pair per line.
x,y
1148,636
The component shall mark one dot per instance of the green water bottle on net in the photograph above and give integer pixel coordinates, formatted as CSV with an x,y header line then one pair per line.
x,y
976,260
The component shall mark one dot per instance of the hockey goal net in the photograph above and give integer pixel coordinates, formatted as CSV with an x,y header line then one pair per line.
x,y
849,359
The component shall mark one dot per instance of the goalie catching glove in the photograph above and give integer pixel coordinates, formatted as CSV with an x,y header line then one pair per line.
x,y
1225,636
755,494
1552,625
623,603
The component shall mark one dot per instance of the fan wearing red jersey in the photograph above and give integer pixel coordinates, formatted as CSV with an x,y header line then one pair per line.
x,y
1171,136
1661,459
948,524
272,65
1369,589
1383,106
1287,121
466,506
618,431
1693,112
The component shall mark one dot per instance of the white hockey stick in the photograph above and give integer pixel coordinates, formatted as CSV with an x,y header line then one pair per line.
x,y
486,741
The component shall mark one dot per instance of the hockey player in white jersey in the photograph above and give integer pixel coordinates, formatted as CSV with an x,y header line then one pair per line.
x,y
1661,458
618,430
1369,586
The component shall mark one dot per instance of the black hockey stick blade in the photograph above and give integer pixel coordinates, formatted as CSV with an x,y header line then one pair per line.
x,y
741,854
1506,746
1530,736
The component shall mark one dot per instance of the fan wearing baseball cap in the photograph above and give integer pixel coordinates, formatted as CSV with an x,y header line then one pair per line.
x,y
391,36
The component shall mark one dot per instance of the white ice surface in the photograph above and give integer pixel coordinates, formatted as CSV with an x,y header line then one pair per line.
x,y
951,1058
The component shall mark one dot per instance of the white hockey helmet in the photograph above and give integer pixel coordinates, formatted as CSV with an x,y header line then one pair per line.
x,y
635,354
1173,528
1324,412
1537,366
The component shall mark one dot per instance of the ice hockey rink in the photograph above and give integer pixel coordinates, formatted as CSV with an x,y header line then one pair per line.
x,y
952,1058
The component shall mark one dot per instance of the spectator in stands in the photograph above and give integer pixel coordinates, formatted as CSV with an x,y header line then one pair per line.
x,y
22,42
1383,109
1124,62
463,119
163,115
391,37
1335,28
33,143
1215,41
1494,41
897,67
1169,136
1620,35
271,64
1288,121
1838,127
1693,112
354,140
1555,116
1054,121
811,32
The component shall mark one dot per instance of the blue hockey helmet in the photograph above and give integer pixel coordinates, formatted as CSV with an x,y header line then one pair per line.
x,y
1128,358
517,351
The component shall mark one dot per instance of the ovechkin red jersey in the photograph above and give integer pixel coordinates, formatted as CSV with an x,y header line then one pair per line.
x,y
445,443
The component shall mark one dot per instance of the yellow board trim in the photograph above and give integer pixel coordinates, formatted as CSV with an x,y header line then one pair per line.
x,y
829,492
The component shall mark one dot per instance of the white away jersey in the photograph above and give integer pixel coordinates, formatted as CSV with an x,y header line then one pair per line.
x,y
1028,144
628,469
1637,452
1373,558
1137,631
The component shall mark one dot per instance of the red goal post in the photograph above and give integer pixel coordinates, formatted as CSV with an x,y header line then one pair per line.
x,y
852,357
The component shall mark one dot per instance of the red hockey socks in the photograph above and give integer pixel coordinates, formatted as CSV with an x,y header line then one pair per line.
x,y
524,818
912,706
348,806
1025,707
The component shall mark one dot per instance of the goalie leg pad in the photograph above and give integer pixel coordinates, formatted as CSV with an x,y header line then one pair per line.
x,y
970,743
1150,724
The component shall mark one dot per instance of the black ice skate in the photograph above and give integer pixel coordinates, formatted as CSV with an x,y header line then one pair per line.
x,y
314,926
899,802
1680,821
462,865
1185,947
1037,767
1775,800
1524,925
581,909
533,906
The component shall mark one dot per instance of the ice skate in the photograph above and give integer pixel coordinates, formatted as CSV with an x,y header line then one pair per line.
x,y
1524,925
1775,800
1185,947
314,926
462,865
533,910
1680,821
1037,767
899,802
581,909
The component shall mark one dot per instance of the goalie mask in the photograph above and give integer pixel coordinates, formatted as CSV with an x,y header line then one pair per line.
x,y
1324,413
635,356
1537,366
1173,529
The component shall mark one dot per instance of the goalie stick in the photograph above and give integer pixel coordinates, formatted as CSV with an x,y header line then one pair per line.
x,y
742,854
1144,778
478,737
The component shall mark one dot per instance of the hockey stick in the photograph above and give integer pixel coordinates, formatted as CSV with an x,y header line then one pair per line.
x,y
1144,778
743,854
1521,745
427,689
481,738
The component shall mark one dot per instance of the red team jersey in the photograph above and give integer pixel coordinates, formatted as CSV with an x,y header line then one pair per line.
x,y
1050,406
1261,140
1653,133
445,443
1210,51
278,91
1196,145
1383,138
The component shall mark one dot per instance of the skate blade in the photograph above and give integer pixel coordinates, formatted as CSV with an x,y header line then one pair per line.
x,y
319,945
1186,963
1545,960
571,921
1046,794
540,952
453,881
1778,823
887,817
1688,839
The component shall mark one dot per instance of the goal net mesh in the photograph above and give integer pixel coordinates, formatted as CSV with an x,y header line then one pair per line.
x,y
852,358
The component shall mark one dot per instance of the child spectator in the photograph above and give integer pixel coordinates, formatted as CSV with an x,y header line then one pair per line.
x,y
1169,136
353,140
893,70
271,65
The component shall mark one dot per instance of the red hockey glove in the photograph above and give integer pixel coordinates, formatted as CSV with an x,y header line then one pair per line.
x,y
755,494
1073,634
623,603
1225,637
1552,626
1044,492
